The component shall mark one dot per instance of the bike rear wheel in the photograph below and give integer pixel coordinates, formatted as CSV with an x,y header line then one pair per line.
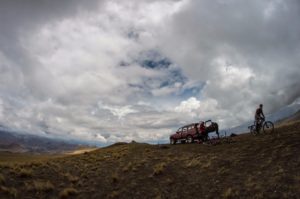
x,y
268,127
253,130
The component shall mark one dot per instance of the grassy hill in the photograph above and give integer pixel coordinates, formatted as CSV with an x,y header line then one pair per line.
x,y
17,142
294,117
264,166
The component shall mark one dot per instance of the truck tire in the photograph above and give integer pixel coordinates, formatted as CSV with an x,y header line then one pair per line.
x,y
189,139
172,141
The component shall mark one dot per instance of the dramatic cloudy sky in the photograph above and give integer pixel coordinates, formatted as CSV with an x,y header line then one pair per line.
x,y
115,70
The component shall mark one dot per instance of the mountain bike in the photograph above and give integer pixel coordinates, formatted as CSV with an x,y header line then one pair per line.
x,y
262,126
215,140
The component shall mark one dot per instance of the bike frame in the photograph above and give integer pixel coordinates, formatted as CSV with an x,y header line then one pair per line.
x,y
260,123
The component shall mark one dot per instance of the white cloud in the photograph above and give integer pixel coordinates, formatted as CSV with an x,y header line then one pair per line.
x,y
1,108
101,138
119,111
188,106
76,71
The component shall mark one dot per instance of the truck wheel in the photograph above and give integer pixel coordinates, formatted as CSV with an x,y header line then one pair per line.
x,y
172,141
189,139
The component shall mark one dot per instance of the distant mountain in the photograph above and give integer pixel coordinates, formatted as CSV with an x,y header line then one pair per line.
x,y
292,118
15,142
283,114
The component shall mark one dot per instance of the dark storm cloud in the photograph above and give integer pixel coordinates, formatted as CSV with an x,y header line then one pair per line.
x,y
22,17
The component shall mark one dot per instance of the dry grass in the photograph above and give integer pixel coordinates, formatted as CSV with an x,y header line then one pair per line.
x,y
128,167
251,183
195,162
159,168
115,178
25,173
10,191
21,158
114,194
2,179
67,192
222,170
71,178
228,193
40,186
231,193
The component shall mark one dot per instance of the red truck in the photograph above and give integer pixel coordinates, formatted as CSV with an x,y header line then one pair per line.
x,y
189,133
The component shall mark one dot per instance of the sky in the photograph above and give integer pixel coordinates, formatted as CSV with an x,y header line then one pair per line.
x,y
109,71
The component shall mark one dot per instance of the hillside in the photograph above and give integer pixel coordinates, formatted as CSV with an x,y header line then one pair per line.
x,y
292,118
264,166
24,143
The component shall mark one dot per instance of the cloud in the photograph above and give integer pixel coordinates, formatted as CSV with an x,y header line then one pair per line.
x,y
247,53
119,111
112,71
188,106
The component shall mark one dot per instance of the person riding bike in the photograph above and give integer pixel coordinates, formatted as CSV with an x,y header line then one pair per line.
x,y
259,115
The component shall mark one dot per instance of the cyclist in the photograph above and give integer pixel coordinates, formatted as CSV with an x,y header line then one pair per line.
x,y
197,130
203,131
259,115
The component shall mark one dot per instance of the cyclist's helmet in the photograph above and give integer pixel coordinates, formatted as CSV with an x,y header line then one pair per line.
x,y
260,105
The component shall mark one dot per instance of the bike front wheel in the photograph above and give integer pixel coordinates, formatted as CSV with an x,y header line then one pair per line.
x,y
268,127
253,130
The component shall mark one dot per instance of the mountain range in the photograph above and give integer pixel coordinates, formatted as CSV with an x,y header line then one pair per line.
x,y
13,141
21,143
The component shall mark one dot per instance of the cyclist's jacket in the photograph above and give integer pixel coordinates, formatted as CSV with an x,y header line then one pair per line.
x,y
258,112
